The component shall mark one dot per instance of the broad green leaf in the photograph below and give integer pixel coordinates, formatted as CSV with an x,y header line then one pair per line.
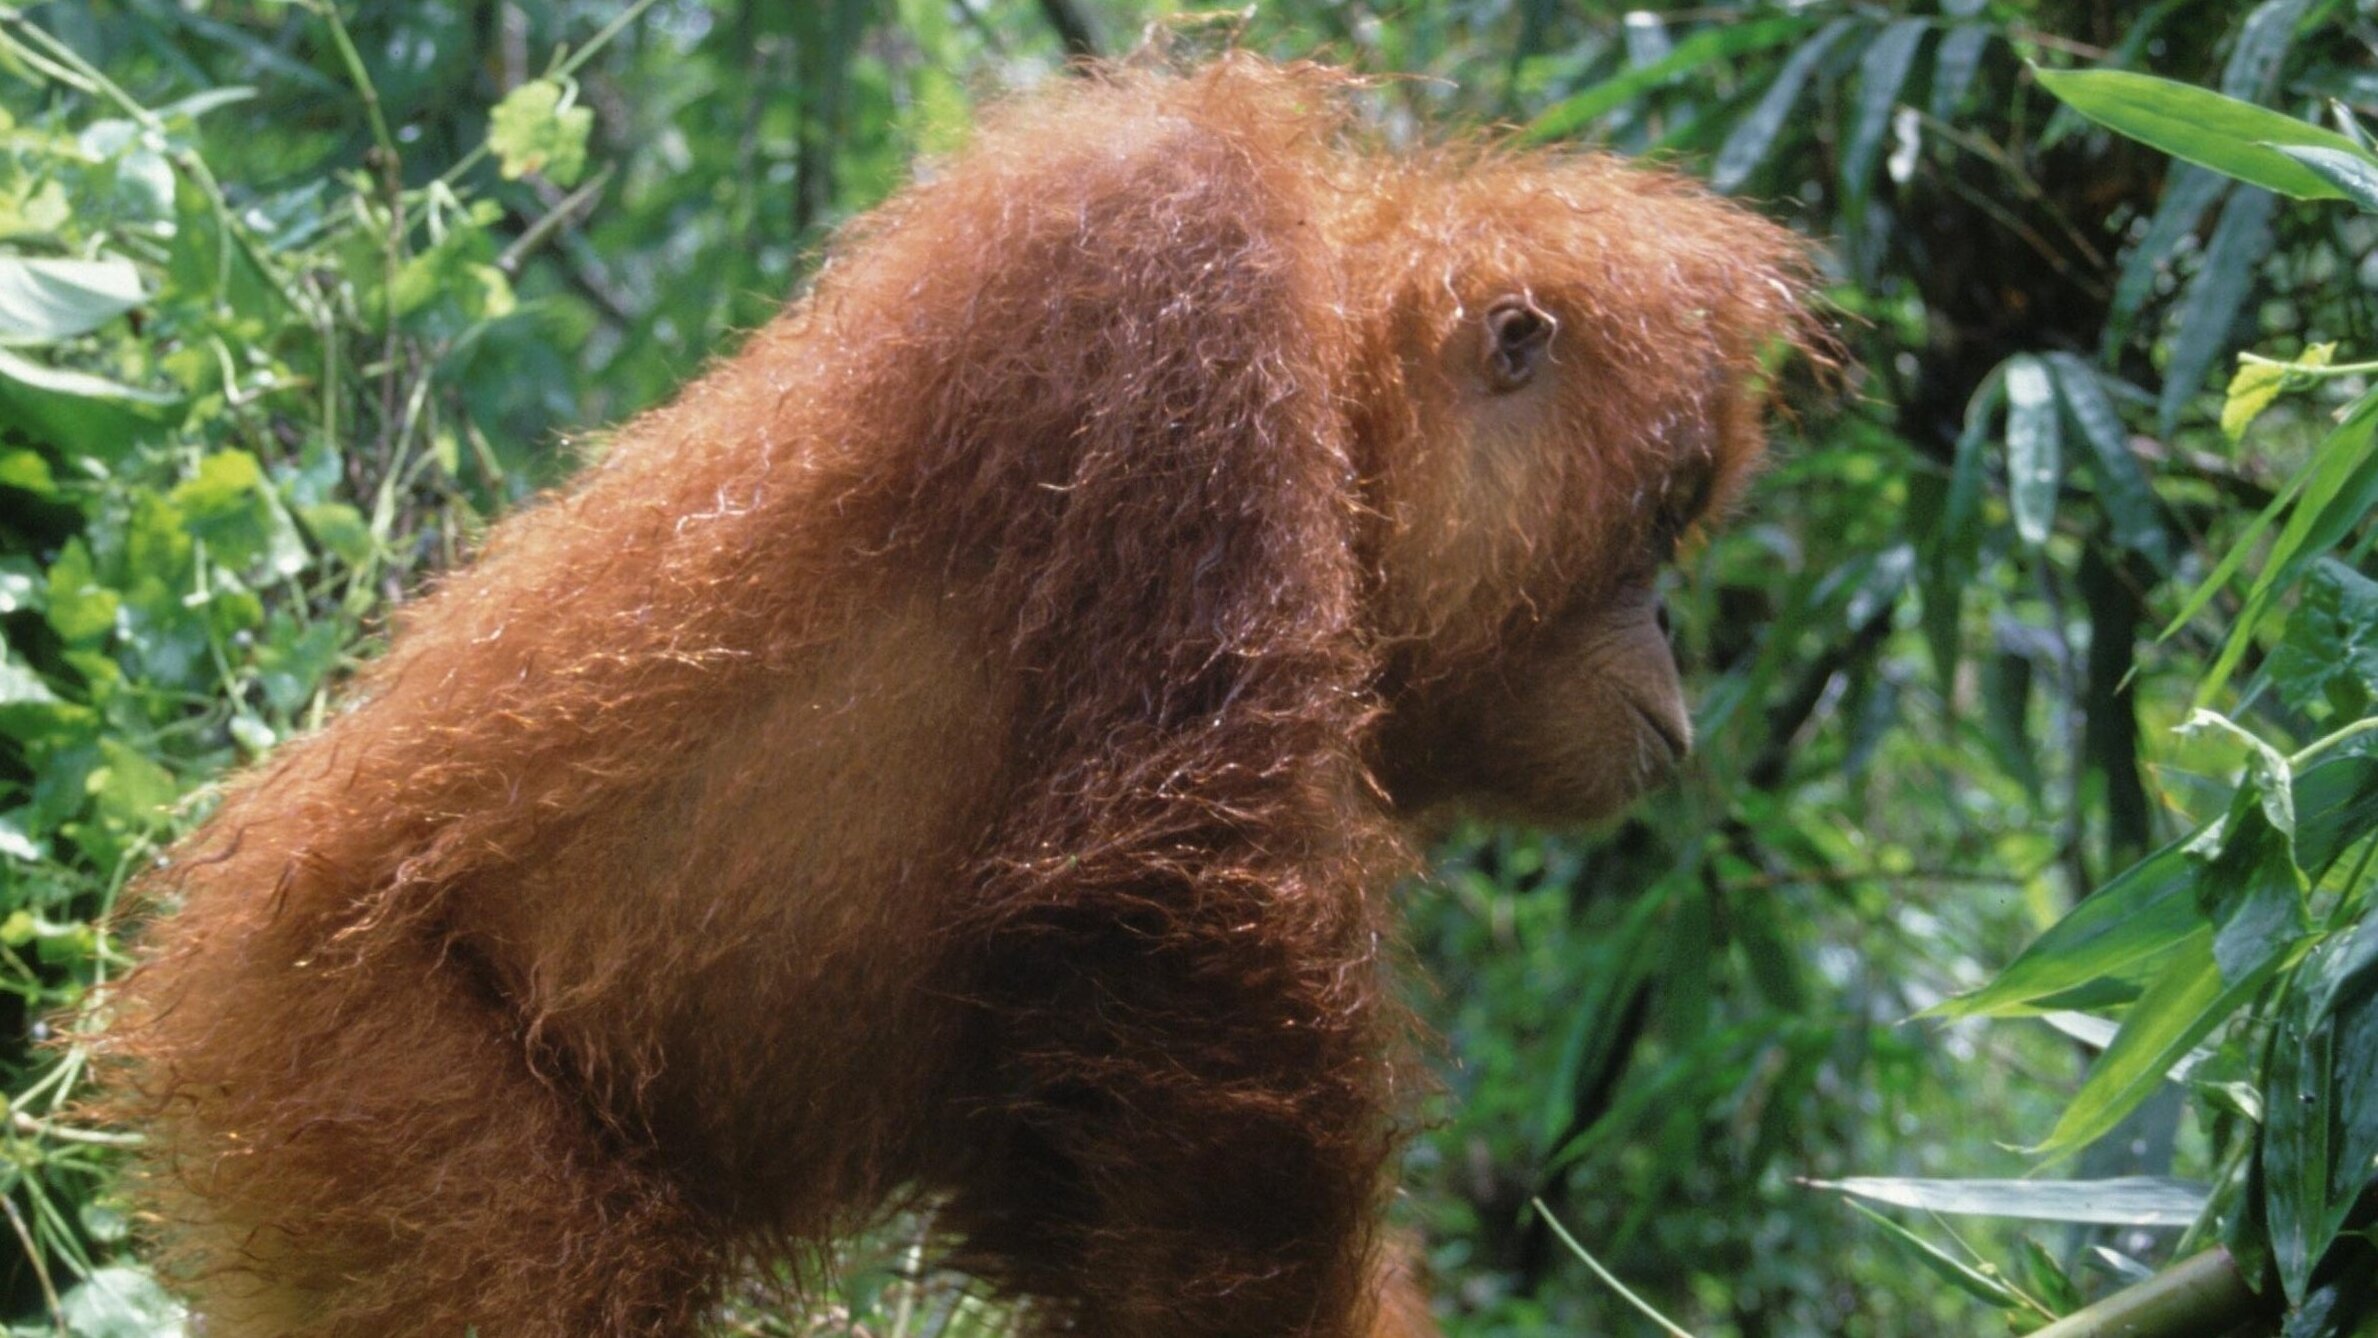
x,y
121,1302
2354,174
2320,1144
44,299
1964,1277
2326,665
1882,72
536,129
26,471
341,530
2122,486
2034,451
82,610
20,686
2203,326
2200,126
2252,891
1713,42
2336,804
2145,912
2187,1000
1747,144
2140,1200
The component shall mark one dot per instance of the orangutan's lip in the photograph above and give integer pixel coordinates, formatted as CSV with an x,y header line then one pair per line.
x,y
1678,745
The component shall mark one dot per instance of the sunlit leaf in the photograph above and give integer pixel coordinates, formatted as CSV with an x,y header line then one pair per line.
x,y
43,298
2354,174
2034,451
2187,1000
2227,135
2122,1201
535,129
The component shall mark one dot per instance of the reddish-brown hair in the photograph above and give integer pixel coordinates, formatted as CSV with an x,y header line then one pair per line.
x,y
933,757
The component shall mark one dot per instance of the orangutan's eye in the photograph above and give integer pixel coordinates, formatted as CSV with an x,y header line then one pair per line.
x,y
1518,332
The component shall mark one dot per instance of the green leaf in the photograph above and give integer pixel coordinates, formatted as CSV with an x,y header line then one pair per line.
x,y
81,609
1948,1269
2122,486
2144,913
2326,665
2140,1200
2353,174
2049,1282
536,129
2188,191
2216,293
44,299
2320,1144
2034,451
1712,42
2323,502
341,530
2274,780
1954,67
2200,126
120,1302
66,381
2260,381
1747,144
20,685
2189,997
1882,72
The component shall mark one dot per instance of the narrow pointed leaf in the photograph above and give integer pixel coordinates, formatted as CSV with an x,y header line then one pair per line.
x,y
1882,72
2353,174
1751,137
2229,136
1954,66
2122,486
2201,333
2188,1000
2142,1200
2145,911
1964,1277
1717,41
2034,451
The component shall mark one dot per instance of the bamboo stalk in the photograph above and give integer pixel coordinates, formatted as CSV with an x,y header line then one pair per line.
x,y
2199,1297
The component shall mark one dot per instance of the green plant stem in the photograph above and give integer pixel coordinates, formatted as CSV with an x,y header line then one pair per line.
x,y
358,75
2303,369
2196,1298
2315,748
1609,1281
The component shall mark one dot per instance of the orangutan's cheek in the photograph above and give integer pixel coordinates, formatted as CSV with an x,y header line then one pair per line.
x,y
1576,723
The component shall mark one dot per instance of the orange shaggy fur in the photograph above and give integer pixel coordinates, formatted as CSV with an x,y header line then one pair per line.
x,y
936,759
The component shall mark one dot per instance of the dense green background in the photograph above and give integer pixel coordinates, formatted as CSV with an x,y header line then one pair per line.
x,y
293,299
